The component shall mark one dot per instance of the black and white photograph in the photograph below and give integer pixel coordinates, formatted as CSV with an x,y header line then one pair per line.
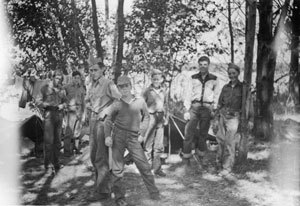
x,y
150,102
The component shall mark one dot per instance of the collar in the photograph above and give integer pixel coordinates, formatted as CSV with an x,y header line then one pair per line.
x,y
238,83
94,83
134,98
208,76
161,88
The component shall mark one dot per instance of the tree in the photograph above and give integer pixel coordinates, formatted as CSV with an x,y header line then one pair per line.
x,y
248,68
99,48
49,34
294,82
230,32
120,25
266,62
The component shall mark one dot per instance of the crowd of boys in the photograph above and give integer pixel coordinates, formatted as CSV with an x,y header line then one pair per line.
x,y
119,120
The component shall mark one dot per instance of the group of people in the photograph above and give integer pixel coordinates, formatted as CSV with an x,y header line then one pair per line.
x,y
119,120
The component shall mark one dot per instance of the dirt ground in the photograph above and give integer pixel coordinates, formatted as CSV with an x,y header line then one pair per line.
x,y
254,184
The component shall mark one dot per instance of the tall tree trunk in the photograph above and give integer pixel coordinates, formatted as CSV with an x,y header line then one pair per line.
x,y
294,82
249,38
230,32
106,10
120,24
99,48
266,61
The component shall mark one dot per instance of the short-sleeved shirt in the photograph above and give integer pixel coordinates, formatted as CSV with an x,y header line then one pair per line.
x,y
101,94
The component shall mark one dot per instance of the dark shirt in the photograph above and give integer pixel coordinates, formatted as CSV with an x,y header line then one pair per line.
x,y
231,97
127,116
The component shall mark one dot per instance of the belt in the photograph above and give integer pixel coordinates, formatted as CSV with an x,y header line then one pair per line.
x,y
127,130
153,113
201,102
51,108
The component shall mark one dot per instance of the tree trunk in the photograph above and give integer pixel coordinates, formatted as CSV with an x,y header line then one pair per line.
x,y
99,48
106,11
266,61
120,24
294,82
250,37
230,32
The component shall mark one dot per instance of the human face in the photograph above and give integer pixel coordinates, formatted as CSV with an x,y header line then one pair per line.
x,y
125,89
57,80
96,72
203,66
157,80
77,79
233,74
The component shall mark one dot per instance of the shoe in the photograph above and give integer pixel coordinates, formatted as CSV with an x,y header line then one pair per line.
x,y
103,196
121,202
155,196
57,168
160,173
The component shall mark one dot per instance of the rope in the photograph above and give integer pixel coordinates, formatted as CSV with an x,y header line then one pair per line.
x,y
176,126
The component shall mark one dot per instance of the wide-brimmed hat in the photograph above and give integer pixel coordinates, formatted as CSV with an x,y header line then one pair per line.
x,y
92,60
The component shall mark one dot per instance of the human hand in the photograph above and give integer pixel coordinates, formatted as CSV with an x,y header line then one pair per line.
x,y
61,106
166,121
88,106
187,116
250,125
140,139
108,141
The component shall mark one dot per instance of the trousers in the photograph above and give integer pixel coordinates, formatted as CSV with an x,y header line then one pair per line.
x,y
52,137
199,115
154,142
227,139
129,140
99,156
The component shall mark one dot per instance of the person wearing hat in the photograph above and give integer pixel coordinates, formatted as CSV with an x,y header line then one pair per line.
x,y
100,95
229,110
52,100
75,106
124,130
156,99
200,100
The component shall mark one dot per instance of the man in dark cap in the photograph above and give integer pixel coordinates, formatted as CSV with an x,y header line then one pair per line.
x,y
101,94
229,106
124,130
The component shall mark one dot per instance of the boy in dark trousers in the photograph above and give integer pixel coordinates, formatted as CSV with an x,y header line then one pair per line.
x,y
123,130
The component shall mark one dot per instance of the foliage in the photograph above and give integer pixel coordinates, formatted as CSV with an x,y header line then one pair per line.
x,y
157,30
50,34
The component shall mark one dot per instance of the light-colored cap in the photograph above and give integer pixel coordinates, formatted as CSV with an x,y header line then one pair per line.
x,y
123,80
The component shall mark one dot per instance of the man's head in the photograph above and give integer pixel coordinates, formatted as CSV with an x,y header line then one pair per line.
x,y
233,71
96,68
76,77
124,85
57,78
203,62
157,78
